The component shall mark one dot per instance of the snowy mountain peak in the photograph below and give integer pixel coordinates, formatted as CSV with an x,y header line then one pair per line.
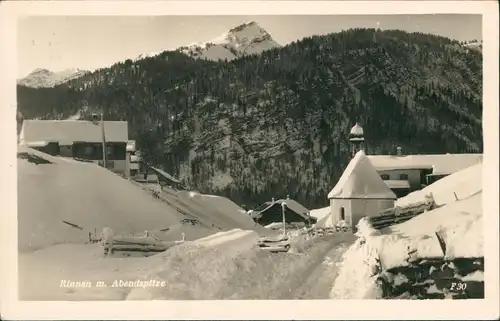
x,y
45,78
40,71
147,55
245,39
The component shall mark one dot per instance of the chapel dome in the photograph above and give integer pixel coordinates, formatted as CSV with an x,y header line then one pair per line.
x,y
357,130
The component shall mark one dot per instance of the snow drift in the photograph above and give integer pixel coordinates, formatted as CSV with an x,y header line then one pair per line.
x,y
62,201
181,266
459,185
321,213
220,211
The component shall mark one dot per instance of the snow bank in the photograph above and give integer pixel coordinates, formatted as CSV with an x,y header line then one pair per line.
x,y
357,276
218,210
86,262
64,201
236,237
459,185
459,225
199,269
321,213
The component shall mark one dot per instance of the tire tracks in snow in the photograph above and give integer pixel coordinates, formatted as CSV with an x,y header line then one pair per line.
x,y
320,272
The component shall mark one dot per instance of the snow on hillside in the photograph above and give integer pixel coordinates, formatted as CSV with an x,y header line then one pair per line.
x,y
46,78
474,44
246,39
147,55
82,194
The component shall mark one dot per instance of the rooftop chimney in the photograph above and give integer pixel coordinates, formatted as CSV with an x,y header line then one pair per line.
x,y
399,151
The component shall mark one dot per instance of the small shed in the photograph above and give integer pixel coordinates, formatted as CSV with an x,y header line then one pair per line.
x,y
273,212
167,179
359,192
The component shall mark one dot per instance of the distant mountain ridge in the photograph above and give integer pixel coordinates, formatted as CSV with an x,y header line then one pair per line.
x,y
246,39
43,78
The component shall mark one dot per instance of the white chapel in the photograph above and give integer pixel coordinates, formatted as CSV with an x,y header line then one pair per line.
x,y
359,192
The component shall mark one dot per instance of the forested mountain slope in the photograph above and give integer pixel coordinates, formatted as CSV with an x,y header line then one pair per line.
x,y
268,125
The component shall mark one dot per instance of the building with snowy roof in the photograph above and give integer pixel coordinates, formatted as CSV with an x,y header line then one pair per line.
x,y
359,192
272,212
80,139
404,174
407,173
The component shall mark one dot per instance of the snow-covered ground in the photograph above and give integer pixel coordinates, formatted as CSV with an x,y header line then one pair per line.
x,y
42,271
62,201
321,213
458,220
226,265
460,185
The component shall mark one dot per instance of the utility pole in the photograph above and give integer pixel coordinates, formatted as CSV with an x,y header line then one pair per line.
x,y
283,210
104,150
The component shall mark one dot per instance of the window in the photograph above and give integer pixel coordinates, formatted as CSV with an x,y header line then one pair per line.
x,y
403,177
385,177
342,214
116,151
88,150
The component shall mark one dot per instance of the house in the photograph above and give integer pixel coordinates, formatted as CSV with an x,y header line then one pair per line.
x,y
166,179
407,173
80,139
272,212
359,192
404,174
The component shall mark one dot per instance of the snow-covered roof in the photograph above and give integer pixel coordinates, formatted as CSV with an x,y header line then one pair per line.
x,y
291,204
439,163
294,206
361,180
165,174
72,131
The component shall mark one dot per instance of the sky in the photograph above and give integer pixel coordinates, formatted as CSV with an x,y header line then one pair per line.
x,y
89,42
